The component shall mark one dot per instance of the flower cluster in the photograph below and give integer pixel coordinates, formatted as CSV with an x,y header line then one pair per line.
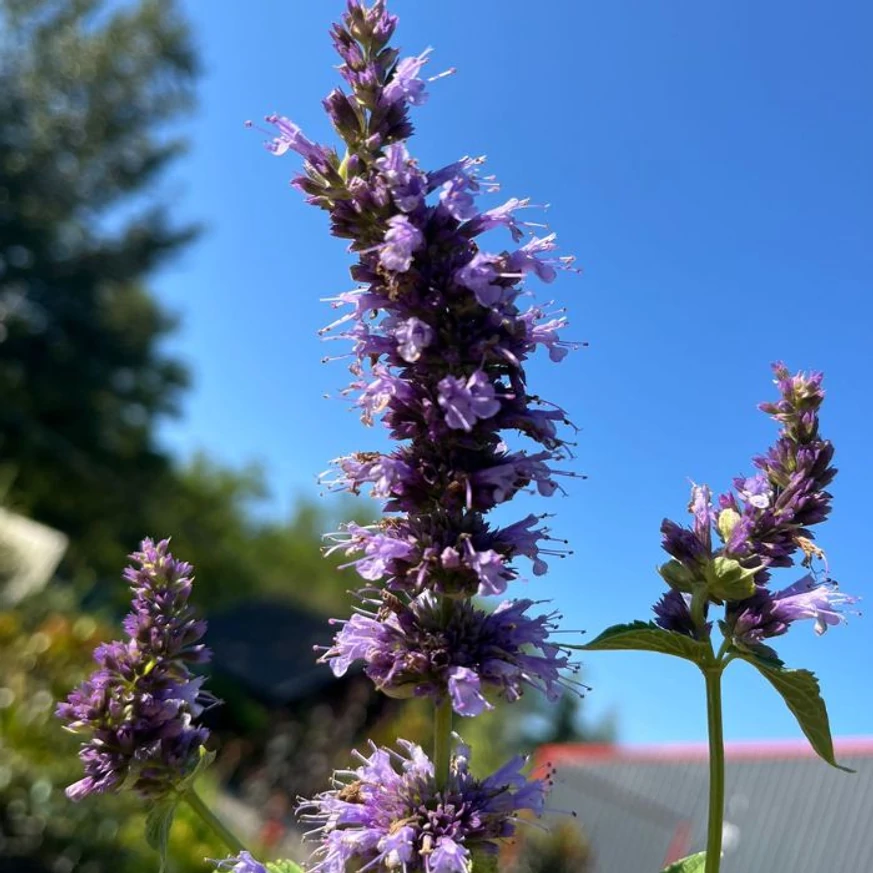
x,y
441,330
139,707
728,552
389,813
410,647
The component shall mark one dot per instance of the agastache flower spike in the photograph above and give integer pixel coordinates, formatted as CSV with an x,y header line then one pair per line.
x,y
439,349
761,525
140,706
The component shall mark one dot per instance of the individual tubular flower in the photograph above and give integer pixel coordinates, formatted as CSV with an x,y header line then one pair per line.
x,y
439,340
416,647
241,863
139,707
767,615
388,813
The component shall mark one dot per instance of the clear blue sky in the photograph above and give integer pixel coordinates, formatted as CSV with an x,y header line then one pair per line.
x,y
710,166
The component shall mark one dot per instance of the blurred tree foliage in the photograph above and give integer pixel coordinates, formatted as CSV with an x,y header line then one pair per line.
x,y
87,90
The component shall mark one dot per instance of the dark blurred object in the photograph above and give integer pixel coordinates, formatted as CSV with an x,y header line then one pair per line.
x,y
87,90
45,650
287,722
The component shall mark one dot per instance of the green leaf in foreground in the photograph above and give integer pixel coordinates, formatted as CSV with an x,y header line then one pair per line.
x,y
691,864
800,691
641,636
283,867
158,823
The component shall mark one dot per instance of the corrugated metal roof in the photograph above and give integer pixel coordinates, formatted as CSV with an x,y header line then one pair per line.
x,y
784,812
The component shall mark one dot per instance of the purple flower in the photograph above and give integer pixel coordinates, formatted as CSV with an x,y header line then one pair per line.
x,y
139,707
406,183
402,239
241,863
464,402
766,615
413,337
292,138
406,84
388,813
673,613
410,647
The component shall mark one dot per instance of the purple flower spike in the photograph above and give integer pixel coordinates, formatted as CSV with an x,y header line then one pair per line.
x,y
765,520
139,707
388,814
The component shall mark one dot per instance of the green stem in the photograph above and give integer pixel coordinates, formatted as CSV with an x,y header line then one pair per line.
x,y
716,768
442,742
196,803
442,724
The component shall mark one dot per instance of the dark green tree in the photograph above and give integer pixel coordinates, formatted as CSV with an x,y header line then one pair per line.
x,y
88,89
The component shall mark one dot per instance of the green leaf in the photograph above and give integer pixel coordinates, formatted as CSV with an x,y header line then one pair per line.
x,y
283,867
802,695
641,636
158,823
691,864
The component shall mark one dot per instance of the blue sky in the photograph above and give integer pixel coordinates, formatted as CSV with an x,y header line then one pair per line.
x,y
709,165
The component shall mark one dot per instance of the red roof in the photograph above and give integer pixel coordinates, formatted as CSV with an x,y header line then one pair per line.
x,y
604,753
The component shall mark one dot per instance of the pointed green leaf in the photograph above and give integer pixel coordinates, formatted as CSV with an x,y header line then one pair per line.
x,y
691,864
641,636
158,823
283,867
802,695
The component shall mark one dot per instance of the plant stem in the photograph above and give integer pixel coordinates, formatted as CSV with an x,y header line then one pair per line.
x,y
196,803
712,674
442,742
442,736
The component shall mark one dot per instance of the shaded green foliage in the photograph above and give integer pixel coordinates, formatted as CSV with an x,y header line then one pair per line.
x,y
560,849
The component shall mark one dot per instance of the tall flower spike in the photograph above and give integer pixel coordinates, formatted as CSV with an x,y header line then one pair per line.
x,y
440,337
140,706
765,520
762,524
